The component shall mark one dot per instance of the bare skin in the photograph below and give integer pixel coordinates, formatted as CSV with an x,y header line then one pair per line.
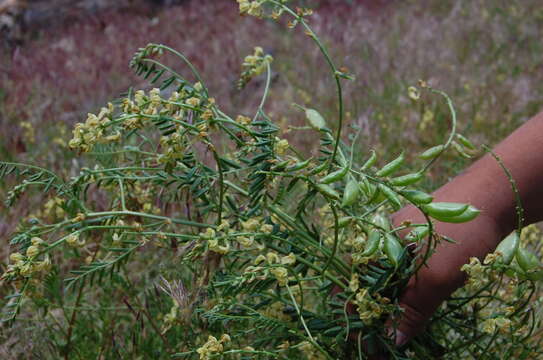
x,y
484,185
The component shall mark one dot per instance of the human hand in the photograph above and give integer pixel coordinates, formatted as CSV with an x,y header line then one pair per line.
x,y
441,275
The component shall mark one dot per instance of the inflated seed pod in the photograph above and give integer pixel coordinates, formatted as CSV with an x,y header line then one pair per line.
x,y
417,197
527,260
350,193
344,221
432,152
508,247
407,179
372,244
370,162
464,141
392,248
391,196
444,209
381,222
327,191
299,165
335,176
368,189
391,166
315,119
536,275
469,214
280,166
515,270
333,331
378,198
418,233
318,169
460,150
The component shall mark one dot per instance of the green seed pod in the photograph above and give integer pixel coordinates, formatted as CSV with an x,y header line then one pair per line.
x,y
508,247
280,166
372,245
515,270
526,260
318,169
327,191
350,193
418,233
381,222
378,198
468,215
444,209
370,162
344,221
298,166
391,166
464,141
335,176
368,189
536,275
315,119
417,197
432,152
391,196
407,179
336,330
460,150
393,249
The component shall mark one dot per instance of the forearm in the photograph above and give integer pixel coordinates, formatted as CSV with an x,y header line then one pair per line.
x,y
486,186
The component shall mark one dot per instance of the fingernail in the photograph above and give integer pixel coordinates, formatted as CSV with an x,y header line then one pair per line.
x,y
401,338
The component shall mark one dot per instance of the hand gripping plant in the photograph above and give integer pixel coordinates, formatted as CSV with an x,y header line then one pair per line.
x,y
268,255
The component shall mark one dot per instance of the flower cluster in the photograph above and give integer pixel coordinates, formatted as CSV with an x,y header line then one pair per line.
x,y
141,110
252,8
93,130
29,133
310,351
490,326
370,307
477,273
74,240
212,347
276,310
275,262
28,265
281,146
254,65
53,208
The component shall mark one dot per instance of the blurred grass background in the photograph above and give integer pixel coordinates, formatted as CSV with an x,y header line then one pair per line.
x,y
486,54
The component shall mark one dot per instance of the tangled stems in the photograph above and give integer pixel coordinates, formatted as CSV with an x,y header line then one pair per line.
x,y
453,127
519,208
158,49
256,242
335,71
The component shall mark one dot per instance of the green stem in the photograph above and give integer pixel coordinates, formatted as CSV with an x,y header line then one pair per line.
x,y
190,65
335,72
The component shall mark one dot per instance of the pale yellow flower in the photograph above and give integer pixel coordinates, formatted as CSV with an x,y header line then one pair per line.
x,y
281,146
193,101
290,259
32,251
281,274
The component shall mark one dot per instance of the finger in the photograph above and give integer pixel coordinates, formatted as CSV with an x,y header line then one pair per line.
x,y
422,296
